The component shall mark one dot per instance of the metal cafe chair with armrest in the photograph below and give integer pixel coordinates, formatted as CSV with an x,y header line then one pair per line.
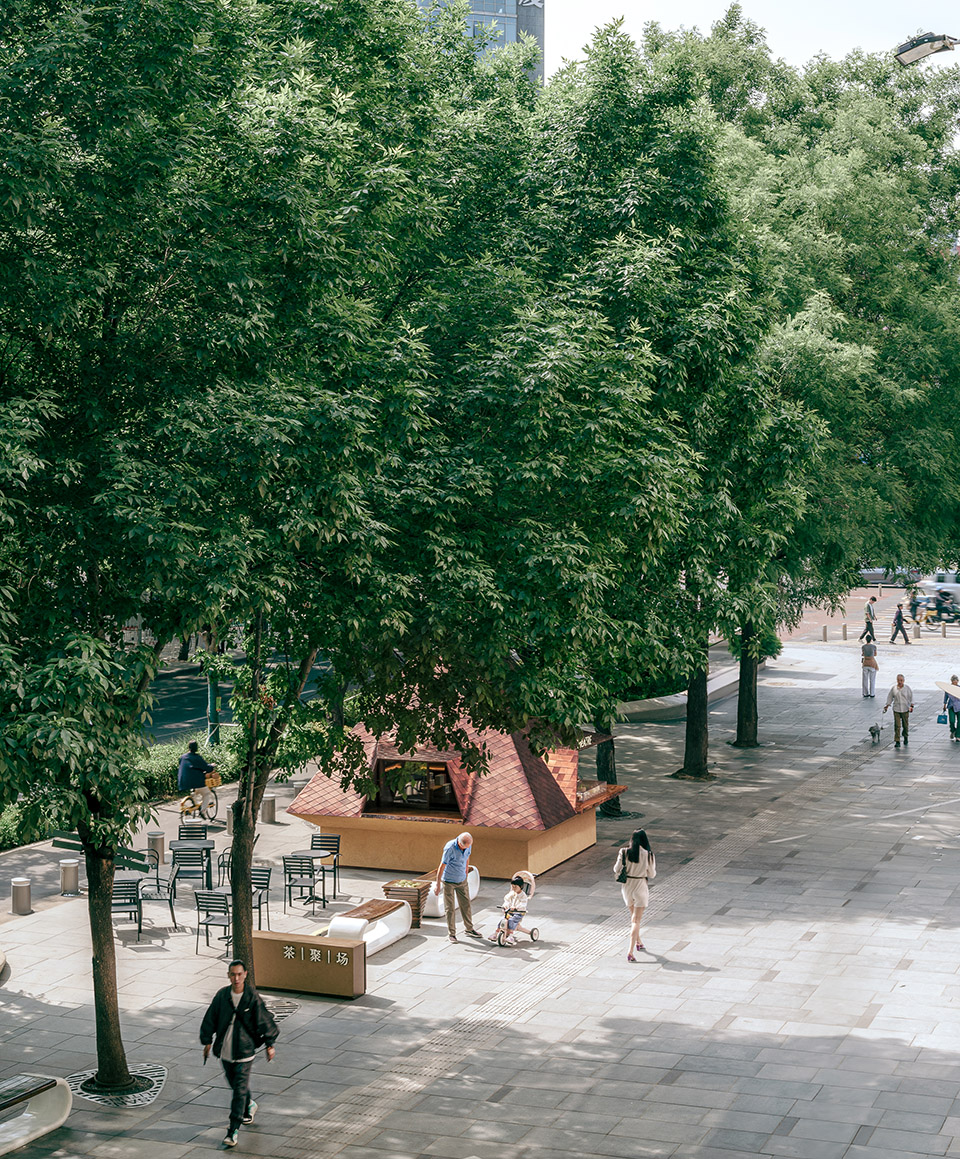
x,y
260,883
213,911
153,887
190,863
330,844
125,899
301,873
224,865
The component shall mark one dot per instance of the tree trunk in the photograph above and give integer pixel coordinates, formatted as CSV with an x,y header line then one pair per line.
x,y
696,741
261,754
747,692
112,1071
184,653
607,772
244,832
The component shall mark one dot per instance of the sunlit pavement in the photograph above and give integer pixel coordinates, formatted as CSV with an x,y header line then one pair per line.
x,y
798,996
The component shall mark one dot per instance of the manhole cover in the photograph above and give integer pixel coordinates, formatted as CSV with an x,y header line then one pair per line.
x,y
156,1075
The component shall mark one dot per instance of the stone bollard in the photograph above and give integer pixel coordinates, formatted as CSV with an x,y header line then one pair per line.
x,y
843,629
20,896
916,631
229,820
943,629
69,878
156,844
268,809
824,633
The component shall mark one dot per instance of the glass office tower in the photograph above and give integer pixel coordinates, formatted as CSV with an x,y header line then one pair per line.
x,y
507,18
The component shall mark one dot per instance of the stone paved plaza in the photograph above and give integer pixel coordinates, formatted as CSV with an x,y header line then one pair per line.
x,y
799,997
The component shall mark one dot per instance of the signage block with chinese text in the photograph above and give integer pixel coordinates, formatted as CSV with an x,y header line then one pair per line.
x,y
311,964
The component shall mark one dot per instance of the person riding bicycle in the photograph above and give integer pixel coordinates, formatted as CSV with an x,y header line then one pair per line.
x,y
192,775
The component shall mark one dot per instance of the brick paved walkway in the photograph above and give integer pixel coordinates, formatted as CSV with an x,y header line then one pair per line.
x,y
799,997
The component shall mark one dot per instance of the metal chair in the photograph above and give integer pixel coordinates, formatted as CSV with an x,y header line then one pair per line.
x,y
191,832
154,888
213,909
330,843
260,881
190,863
125,899
224,865
300,873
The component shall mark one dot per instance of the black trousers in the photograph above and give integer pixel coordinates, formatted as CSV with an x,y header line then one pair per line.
x,y
238,1076
900,628
868,632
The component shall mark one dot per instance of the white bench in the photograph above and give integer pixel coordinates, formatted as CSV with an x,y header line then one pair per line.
x,y
46,1102
434,907
377,924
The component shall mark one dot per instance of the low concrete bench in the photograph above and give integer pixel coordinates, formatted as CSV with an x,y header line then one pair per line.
x,y
434,906
377,924
46,1102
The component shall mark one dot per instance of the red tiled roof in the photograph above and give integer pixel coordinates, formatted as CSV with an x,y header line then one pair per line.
x,y
520,790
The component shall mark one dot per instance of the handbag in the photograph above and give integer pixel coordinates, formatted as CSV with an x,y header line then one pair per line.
x,y
942,718
622,875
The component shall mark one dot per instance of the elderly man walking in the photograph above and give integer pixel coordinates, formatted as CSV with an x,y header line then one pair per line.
x,y
901,697
452,871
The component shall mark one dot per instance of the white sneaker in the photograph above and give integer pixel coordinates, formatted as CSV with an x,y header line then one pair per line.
x,y
511,941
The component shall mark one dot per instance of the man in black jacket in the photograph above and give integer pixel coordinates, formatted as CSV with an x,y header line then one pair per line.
x,y
236,1023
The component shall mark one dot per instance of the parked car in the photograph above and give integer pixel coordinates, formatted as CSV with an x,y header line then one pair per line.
x,y
893,577
947,580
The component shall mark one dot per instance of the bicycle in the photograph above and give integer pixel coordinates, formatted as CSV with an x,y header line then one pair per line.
x,y
190,807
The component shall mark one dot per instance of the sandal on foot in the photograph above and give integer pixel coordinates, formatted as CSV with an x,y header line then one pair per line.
x,y
631,958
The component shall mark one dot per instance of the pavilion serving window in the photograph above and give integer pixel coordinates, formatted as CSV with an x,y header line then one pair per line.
x,y
412,786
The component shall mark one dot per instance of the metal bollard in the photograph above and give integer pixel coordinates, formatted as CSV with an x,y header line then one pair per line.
x,y
20,896
268,809
843,629
156,844
824,633
69,878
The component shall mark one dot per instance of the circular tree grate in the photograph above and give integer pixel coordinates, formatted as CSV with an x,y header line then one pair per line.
x,y
153,1075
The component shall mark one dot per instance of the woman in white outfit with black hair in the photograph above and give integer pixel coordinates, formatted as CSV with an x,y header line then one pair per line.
x,y
641,868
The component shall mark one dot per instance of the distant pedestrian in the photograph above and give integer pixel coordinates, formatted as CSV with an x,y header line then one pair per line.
x,y
951,704
237,1022
641,867
899,626
914,605
868,670
901,697
869,619
452,871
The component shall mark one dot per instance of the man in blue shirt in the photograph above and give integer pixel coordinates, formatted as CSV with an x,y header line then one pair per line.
x,y
452,870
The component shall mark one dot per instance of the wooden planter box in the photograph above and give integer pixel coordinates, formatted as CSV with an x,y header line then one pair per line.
x,y
414,892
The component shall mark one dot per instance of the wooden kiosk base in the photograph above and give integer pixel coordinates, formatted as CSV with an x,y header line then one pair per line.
x,y
310,964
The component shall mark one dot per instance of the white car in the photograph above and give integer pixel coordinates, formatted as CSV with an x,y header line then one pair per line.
x,y
945,581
